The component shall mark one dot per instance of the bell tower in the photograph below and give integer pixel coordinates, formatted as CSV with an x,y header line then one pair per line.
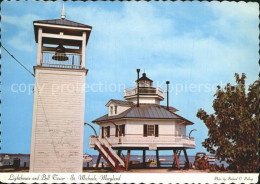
x,y
59,95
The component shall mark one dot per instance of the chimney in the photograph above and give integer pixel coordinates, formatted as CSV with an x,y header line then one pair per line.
x,y
138,71
167,83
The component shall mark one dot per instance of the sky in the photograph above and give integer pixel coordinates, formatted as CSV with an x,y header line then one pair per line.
x,y
194,45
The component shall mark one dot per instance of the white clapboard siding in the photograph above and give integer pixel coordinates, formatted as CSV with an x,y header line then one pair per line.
x,y
58,120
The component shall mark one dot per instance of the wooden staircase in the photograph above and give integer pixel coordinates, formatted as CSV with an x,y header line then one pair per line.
x,y
109,155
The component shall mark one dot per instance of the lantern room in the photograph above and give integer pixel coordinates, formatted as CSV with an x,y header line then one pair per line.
x,y
61,43
144,92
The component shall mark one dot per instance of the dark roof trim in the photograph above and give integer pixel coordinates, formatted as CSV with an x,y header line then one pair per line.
x,y
131,118
120,102
62,22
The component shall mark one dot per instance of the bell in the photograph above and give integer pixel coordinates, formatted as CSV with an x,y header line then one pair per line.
x,y
60,54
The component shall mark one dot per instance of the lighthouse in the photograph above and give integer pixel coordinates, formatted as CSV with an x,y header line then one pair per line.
x,y
141,123
59,95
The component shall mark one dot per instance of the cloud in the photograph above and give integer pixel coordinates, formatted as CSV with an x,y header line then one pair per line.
x,y
24,28
236,21
141,34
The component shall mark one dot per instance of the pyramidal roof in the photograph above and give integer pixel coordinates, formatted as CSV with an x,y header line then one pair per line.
x,y
62,22
144,111
144,78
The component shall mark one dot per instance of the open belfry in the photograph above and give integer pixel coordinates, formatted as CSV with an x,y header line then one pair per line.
x,y
59,96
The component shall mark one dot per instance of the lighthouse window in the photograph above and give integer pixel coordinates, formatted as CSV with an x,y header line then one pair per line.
x,y
150,130
115,109
111,110
120,130
105,132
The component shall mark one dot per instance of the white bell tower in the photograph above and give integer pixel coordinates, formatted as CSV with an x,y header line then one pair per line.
x,y
59,96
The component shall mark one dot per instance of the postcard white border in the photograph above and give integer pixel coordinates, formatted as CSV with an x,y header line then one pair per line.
x,y
129,177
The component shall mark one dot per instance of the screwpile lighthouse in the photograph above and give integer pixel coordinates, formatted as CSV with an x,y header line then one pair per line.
x,y
59,96
140,123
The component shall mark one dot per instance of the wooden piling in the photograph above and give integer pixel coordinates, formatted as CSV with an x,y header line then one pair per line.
x,y
98,160
157,159
176,159
144,162
127,160
186,157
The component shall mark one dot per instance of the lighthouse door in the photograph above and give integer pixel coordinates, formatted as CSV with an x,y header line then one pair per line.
x,y
178,130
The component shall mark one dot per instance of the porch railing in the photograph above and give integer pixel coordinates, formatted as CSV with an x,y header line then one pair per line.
x,y
73,60
166,141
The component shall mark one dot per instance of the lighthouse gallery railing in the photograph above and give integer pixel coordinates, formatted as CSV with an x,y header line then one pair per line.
x,y
144,90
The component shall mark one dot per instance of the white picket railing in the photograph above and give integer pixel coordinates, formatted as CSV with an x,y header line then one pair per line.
x,y
161,141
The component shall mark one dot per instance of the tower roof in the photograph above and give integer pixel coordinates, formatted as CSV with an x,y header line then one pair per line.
x,y
62,22
144,78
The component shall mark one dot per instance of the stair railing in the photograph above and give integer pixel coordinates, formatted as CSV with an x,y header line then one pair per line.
x,y
109,146
98,142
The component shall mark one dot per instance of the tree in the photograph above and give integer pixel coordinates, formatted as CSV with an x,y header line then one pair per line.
x,y
233,128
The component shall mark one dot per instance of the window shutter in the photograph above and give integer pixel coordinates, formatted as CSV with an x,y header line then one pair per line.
x,y
108,131
156,130
145,130
123,130
102,132
116,130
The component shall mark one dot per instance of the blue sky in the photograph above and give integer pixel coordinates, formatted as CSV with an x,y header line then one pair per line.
x,y
188,43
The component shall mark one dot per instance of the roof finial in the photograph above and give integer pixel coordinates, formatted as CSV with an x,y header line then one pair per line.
x,y
63,12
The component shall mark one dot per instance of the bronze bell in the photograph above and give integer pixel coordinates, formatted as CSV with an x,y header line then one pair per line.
x,y
60,54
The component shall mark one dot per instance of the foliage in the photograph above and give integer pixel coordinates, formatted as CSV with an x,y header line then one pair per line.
x,y
233,128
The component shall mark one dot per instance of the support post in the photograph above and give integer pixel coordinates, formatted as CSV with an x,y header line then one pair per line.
x,y
83,46
157,158
176,159
138,70
39,50
119,152
186,157
127,160
167,82
144,163
98,160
